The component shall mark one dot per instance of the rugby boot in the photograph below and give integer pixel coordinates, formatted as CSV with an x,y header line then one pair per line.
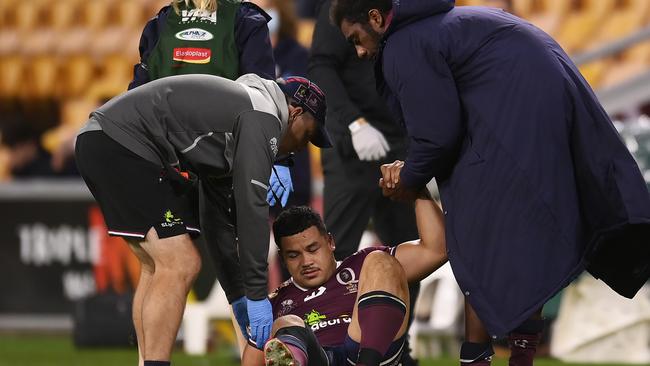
x,y
276,353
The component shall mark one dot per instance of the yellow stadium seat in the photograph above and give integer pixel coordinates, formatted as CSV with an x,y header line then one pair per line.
x,y
627,17
25,15
77,71
11,76
41,77
522,8
583,22
633,62
95,14
305,32
594,71
129,14
116,74
5,174
63,14
548,14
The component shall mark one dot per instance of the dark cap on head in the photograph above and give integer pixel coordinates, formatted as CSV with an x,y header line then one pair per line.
x,y
309,96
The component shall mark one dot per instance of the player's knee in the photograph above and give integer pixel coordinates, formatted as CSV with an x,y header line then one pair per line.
x,y
381,271
380,263
286,322
185,265
193,263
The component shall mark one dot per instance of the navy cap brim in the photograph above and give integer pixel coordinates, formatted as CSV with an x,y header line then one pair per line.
x,y
321,138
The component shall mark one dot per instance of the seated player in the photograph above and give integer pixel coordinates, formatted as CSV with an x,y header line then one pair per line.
x,y
349,312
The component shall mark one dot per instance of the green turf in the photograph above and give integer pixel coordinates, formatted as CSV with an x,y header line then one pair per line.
x,y
59,351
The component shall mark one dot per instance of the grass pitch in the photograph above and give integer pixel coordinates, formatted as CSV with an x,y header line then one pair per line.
x,y
59,351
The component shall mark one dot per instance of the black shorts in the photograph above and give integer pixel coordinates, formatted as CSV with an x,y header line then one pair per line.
x,y
134,194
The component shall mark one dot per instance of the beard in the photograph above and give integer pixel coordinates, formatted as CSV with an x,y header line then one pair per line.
x,y
375,37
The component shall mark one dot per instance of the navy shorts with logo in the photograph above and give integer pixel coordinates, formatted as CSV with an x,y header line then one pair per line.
x,y
134,194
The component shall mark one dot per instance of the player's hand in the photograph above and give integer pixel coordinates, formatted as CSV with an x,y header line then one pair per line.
x,y
280,185
390,183
241,314
260,315
369,143
390,174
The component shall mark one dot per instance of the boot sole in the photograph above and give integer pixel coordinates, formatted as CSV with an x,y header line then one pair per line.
x,y
276,353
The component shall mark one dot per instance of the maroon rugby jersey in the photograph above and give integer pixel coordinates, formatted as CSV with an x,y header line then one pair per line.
x,y
328,308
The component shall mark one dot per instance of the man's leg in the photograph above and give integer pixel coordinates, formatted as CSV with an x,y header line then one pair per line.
x,y
380,314
176,263
146,273
477,348
524,339
395,223
348,200
292,345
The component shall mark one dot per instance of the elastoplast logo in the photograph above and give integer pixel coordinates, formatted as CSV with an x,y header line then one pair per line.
x,y
192,55
194,34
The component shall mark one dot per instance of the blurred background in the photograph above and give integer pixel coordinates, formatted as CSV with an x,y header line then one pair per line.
x,y
65,287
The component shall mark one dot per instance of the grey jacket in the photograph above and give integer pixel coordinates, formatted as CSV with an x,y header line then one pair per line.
x,y
214,127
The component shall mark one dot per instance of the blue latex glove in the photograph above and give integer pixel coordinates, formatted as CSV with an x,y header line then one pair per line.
x,y
241,314
260,314
280,183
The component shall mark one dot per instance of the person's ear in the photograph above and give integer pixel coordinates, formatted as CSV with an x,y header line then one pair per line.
x,y
295,112
330,241
375,19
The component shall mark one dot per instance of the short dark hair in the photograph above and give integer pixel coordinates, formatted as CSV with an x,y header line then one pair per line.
x,y
356,11
294,220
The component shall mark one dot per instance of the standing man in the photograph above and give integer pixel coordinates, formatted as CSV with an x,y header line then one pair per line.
x,y
365,136
535,182
130,154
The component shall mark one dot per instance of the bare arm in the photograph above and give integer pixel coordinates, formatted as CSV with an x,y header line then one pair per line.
x,y
422,257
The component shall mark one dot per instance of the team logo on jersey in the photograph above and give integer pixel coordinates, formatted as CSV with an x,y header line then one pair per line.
x,y
315,294
194,34
345,276
192,55
314,317
202,16
286,307
317,321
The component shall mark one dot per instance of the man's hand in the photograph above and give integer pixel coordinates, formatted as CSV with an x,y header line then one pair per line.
x,y
369,143
241,314
390,183
280,185
260,315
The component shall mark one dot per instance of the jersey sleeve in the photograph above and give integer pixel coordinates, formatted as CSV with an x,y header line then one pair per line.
x,y
256,134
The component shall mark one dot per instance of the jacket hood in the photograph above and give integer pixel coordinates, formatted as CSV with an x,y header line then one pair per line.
x,y
272,95
408,11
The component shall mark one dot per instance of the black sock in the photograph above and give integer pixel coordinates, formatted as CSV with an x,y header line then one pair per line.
x,y
473,352
157,363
